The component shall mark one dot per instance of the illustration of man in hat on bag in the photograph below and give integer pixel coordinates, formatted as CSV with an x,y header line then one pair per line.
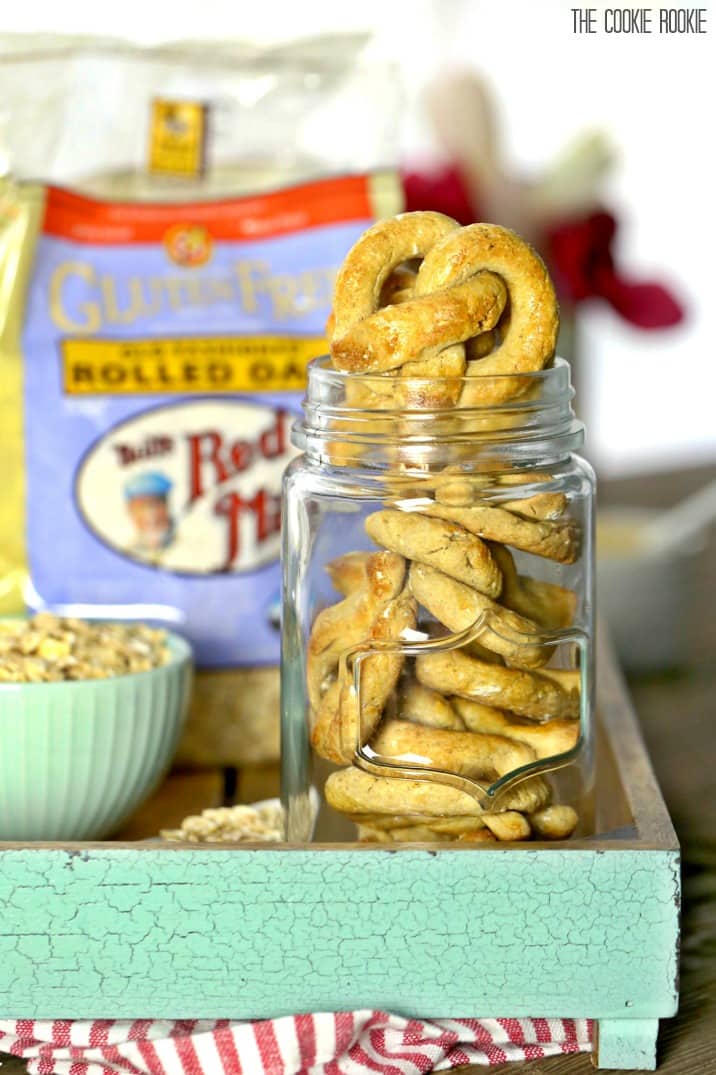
x,y
147,498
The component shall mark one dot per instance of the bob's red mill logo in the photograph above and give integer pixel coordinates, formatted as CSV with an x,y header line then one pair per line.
x,y
177,487
188,245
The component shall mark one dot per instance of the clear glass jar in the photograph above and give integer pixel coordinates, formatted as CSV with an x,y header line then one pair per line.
x,y
437,662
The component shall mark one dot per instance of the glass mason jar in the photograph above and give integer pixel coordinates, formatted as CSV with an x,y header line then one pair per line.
x,y
437,663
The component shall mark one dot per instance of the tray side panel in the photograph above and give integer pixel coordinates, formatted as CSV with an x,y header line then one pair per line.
x,y
244,934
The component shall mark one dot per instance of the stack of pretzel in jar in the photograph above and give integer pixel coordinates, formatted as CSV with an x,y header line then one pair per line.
x,y
447,317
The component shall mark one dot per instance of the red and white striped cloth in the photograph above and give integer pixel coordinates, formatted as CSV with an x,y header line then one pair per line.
x,y
343,1043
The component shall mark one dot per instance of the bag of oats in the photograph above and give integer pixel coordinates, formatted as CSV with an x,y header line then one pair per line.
x,y
171,221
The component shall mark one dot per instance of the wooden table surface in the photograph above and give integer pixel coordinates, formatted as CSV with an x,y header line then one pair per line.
x,y
678,716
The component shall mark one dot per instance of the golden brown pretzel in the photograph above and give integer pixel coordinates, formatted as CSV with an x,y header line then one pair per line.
x,y
458,607
547,738
371,278
340,726
407,832
388,822
461,490
438,543
541,695
460,291
369,580
423,706
555,822
508,825
470,754
558,540
426,339
352,791
549,605
372,259
419,329
528,343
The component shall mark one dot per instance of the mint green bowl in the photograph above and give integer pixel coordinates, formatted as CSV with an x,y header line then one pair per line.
x,y
76,758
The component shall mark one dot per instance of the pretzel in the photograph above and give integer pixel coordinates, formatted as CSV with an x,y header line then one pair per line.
x,y
541,695
340,726
438,543
420,328
508,825
528,342
547,604
557,540
453,826
353,791
422,706
459,293
459,489
547,739
555,822
369,580
422,833
458,607
470,754
372,259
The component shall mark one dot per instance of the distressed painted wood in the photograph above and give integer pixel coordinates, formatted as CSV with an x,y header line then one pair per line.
x,y
586,928
627,1043
246,934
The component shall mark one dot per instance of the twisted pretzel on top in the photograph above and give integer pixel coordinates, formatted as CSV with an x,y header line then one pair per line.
x,y
529,341
460,292
372,285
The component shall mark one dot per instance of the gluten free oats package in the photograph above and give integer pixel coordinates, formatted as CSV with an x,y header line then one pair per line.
x,y
171,222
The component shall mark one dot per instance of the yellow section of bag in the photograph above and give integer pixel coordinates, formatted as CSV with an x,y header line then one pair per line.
x,y
20,215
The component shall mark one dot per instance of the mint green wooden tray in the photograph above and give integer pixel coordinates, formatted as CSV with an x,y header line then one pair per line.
x,y
587,928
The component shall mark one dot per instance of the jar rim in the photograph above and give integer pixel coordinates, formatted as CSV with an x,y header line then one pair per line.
x,y
527,415
322,378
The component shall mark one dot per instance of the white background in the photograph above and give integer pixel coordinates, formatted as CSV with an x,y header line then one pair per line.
x,y
650,396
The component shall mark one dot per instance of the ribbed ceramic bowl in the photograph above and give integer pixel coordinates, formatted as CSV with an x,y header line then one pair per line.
x,y
77,758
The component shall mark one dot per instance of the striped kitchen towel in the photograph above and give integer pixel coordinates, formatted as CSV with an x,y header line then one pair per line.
x,y
343,1043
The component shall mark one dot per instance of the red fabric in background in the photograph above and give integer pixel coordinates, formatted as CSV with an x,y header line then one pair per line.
x,y
578,252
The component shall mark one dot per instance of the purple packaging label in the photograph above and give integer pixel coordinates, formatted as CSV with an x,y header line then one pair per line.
x,y
153,485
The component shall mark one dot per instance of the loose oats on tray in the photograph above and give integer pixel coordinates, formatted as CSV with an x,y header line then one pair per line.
x,y
47,648
231,824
